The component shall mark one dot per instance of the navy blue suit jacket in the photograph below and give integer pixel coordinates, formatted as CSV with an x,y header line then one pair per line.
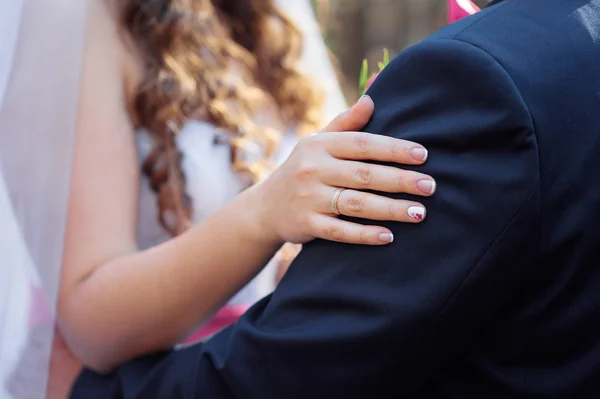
x,y
497,293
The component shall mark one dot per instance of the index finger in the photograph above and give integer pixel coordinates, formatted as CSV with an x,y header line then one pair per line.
x,y
360,146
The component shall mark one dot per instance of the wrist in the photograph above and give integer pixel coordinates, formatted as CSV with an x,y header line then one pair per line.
x,y
258,218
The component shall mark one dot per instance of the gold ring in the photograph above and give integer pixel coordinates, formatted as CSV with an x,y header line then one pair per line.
x,y
334,200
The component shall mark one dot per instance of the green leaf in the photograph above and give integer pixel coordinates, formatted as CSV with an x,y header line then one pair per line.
x,y
364,76
386,57
386,60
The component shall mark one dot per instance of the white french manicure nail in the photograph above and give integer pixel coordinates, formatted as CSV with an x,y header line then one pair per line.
x,y
386,237
426,186
419,154
416,212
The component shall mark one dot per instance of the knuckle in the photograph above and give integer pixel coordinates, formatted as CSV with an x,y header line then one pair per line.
x,y
334,234
314,142
363,237
397,150
401,181
309,142
306,170
364,176
356,204
393,211
337,138
317,143
361,142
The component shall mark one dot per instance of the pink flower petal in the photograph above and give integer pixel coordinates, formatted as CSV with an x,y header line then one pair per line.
x,y
370,81
458,9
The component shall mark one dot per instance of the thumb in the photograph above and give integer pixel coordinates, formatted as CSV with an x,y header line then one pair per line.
x,y
353,119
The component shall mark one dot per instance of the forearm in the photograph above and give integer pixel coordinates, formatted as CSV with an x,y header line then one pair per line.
x,y
142,302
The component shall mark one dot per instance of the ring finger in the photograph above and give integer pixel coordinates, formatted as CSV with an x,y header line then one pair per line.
x,y
369,206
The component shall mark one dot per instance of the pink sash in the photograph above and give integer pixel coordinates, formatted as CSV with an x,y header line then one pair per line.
x,y
224,318
40,312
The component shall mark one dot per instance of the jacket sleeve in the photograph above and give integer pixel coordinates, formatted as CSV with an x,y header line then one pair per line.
x,y
355,321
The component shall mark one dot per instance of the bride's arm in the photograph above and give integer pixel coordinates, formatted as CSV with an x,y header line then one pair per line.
x,y
117,302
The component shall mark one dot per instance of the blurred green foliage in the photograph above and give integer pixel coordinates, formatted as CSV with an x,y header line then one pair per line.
x,y
360,29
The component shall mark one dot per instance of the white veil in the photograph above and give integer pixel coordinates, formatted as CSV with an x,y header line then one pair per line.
x,y
41,44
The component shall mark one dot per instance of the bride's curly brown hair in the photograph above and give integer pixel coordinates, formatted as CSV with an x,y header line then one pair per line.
x,y
221,61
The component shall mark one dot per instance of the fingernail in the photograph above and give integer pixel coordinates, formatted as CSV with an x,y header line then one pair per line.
x,y
426,186
419,154
363,99
386,237
416,212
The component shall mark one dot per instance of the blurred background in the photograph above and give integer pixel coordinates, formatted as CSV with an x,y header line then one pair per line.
x,y
358,29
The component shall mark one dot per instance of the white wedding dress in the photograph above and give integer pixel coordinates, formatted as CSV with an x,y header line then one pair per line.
x,y
211,183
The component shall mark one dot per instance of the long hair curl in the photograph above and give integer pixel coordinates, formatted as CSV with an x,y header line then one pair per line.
x,y
224,62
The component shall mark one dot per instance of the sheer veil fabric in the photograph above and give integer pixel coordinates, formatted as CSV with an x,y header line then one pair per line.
x,y
41,50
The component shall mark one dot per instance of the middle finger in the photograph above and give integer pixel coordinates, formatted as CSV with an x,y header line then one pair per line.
x,y
388,179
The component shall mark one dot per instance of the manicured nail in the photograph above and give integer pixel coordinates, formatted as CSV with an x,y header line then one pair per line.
x,y
419,154
386,237
363,99
426,186
416,212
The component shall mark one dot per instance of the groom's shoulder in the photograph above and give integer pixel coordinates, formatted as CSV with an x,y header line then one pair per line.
x,y
509,19
472,50
522,35
515,25
487,31
485,21
482,26
470,43
509,23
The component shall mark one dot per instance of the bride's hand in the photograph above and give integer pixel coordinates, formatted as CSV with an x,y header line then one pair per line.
x,y
301,200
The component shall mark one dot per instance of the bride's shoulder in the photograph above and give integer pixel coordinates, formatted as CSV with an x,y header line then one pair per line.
x,y
102,19
102,41
103,89
107,48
